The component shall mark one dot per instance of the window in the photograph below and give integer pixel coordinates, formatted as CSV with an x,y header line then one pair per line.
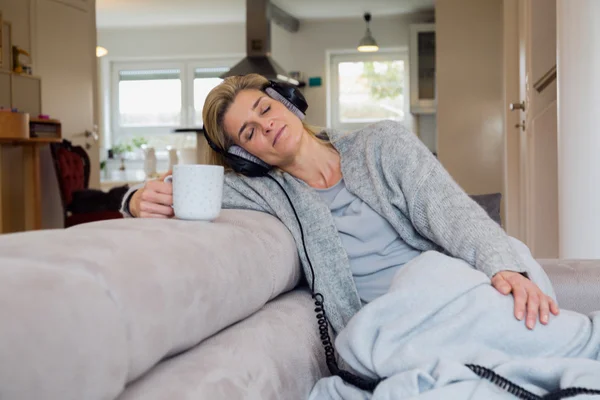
x,y
366,88
151,99
204,80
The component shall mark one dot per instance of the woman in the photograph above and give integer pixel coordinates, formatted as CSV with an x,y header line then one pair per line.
x,y
368,201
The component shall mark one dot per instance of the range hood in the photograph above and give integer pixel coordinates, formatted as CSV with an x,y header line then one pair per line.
x,y
259,14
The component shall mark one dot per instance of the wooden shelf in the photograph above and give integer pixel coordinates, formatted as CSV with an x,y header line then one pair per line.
x,y
44,120
30,141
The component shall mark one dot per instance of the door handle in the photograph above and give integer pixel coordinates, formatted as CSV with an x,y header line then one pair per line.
x,y
91,134
517,106
521,125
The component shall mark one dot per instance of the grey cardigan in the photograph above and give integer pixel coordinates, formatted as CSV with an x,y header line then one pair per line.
x,y
387,167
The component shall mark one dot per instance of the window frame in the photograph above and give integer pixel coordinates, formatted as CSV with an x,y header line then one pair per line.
x,y
191,72
118,131
336,57
187,69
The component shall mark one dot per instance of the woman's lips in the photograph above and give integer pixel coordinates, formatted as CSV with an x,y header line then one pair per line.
x,y
278,134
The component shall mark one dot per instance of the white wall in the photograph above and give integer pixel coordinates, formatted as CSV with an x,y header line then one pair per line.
x,y
173,42
578,137
202,41
18,13
470,92
303,51
315,38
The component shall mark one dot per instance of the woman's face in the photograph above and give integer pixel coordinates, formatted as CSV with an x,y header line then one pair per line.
x,y
264,127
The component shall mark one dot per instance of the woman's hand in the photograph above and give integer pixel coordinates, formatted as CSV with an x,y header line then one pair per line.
x,y
528,297
154,200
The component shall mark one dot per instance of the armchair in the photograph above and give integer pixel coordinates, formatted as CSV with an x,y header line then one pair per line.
x,y
81,204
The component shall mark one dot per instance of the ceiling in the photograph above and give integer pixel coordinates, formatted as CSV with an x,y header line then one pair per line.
x,y
139,13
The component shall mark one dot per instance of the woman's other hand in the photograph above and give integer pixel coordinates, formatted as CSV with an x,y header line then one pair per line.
x,y
154,200
530,301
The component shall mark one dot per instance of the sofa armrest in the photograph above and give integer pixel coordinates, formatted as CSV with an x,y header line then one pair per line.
x,y
576,282
86,310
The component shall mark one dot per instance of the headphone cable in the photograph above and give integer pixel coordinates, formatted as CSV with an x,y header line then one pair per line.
x,y
370,384
323,323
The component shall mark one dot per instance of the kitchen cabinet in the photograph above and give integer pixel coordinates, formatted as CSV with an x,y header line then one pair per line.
x,y
422,69
22,92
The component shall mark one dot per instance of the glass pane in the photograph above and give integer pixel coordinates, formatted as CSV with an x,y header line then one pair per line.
x,y
371,91
149,98
201,88
426,65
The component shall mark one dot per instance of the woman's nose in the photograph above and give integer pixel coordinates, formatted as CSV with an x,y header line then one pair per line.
x,y
268,125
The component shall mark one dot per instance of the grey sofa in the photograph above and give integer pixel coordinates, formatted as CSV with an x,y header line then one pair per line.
x,y
154,309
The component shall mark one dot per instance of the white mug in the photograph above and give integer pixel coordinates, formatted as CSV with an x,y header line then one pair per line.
x,y
197,191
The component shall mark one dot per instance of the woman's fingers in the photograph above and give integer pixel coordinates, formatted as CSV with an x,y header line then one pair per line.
x,y
544,309
157,197
501,284
533,308
153,201
159,187
530,302
520,296
155,208
145,214
553,306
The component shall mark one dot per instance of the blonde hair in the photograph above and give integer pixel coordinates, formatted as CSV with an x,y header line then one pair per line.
x,y
217,103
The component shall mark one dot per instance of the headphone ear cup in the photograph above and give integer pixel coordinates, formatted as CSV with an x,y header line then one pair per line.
x,y
243,154
245,163
241,161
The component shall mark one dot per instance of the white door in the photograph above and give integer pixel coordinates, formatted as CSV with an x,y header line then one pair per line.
x,y
64,52
66,60
531,126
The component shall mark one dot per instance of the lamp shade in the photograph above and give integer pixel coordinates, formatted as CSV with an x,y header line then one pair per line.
x,y
368,43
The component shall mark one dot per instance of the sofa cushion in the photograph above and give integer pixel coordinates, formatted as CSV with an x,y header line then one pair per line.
x,y
576,282
88,309
491,204
273,354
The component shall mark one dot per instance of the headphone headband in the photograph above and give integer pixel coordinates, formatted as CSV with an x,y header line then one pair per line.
x,y
289,95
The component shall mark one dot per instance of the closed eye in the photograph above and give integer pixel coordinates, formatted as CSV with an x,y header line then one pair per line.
x,y
250,134
265,110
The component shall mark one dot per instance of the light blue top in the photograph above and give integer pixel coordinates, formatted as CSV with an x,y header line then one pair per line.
x,y
374,248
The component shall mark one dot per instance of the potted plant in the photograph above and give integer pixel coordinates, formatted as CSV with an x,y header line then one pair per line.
x,y
139,142
119,150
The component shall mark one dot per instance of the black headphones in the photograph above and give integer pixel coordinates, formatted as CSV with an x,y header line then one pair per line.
x,y
239,159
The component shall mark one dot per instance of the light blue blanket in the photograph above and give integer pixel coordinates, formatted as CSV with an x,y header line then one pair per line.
x,y
441,314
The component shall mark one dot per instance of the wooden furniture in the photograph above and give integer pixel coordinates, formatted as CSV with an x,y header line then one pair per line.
x,y
20,186
14,125
49,128
20,91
